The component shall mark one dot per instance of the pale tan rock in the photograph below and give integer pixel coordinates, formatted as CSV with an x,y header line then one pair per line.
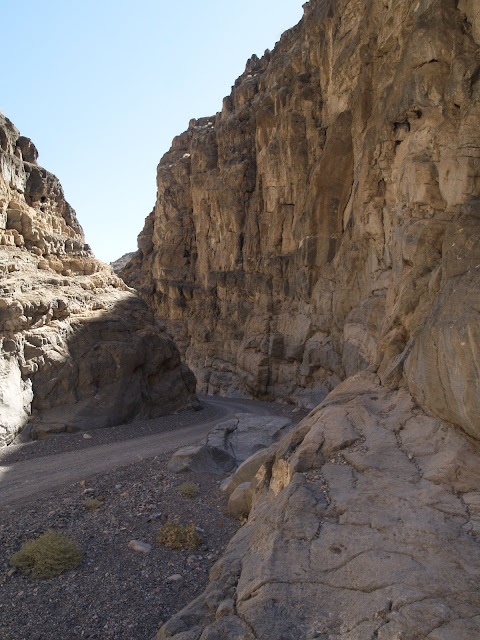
x,y
139,546
321,222
443,366
78,349
240,501
321,234
365,540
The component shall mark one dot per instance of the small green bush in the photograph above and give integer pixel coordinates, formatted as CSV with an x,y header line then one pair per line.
x,y
93,503
188,490
48,556
177,536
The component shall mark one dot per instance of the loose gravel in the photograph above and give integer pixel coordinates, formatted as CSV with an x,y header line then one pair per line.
x,y
117,593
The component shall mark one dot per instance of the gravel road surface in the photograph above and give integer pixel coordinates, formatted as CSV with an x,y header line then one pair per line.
x,y
116,593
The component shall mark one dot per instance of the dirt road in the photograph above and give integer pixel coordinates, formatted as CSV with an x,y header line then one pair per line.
x,y
22,481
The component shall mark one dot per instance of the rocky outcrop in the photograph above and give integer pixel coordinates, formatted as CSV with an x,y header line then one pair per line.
x,y
78,349
122,262
326,221
364,525
230,443
320,235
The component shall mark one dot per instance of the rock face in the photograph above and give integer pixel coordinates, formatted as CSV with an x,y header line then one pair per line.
x,y
326,221
119,264
230,443
321,234
364,525
78,349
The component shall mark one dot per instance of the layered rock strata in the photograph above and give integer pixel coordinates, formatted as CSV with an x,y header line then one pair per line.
x,y
327,219
78,348
320,235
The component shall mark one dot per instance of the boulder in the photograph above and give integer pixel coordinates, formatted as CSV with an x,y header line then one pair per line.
x,y
201,459
443,366
311,228
229,444
247,470
240,501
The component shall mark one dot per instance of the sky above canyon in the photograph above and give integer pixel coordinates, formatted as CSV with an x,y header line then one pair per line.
x,y
102,88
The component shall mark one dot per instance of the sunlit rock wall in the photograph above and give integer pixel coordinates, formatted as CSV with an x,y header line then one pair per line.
x,y
326,220
78,349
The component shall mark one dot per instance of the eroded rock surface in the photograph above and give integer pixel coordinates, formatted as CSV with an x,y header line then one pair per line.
x,y
320,235
230,443
120,263
78,348
327,219
364,525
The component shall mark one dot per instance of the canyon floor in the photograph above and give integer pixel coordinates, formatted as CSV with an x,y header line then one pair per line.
x,y
116,592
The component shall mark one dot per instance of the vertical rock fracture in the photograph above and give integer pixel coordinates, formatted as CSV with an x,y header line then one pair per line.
x,y
318,240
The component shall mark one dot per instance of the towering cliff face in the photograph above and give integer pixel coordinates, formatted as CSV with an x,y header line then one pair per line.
x,y
327,219
78,349
322,232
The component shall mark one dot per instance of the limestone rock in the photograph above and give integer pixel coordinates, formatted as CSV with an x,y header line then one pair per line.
x,y
326,220
374,540
229,444
139,546
176,578
78,348
122,262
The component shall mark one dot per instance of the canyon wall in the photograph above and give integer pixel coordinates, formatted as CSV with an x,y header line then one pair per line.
x,y
78,348
320,235
326,221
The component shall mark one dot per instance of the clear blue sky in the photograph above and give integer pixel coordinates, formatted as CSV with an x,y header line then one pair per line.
x,y
102,87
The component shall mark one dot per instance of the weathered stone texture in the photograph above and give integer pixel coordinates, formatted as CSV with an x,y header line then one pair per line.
x,y
363,524
78,348
320,223
321,234
230,443
119,264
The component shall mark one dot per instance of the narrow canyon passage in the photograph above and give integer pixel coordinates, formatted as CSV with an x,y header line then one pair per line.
x,y
315,242
22,481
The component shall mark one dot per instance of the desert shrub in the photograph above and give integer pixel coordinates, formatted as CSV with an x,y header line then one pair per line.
x,y
48,556
178,536
93,503
188,489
